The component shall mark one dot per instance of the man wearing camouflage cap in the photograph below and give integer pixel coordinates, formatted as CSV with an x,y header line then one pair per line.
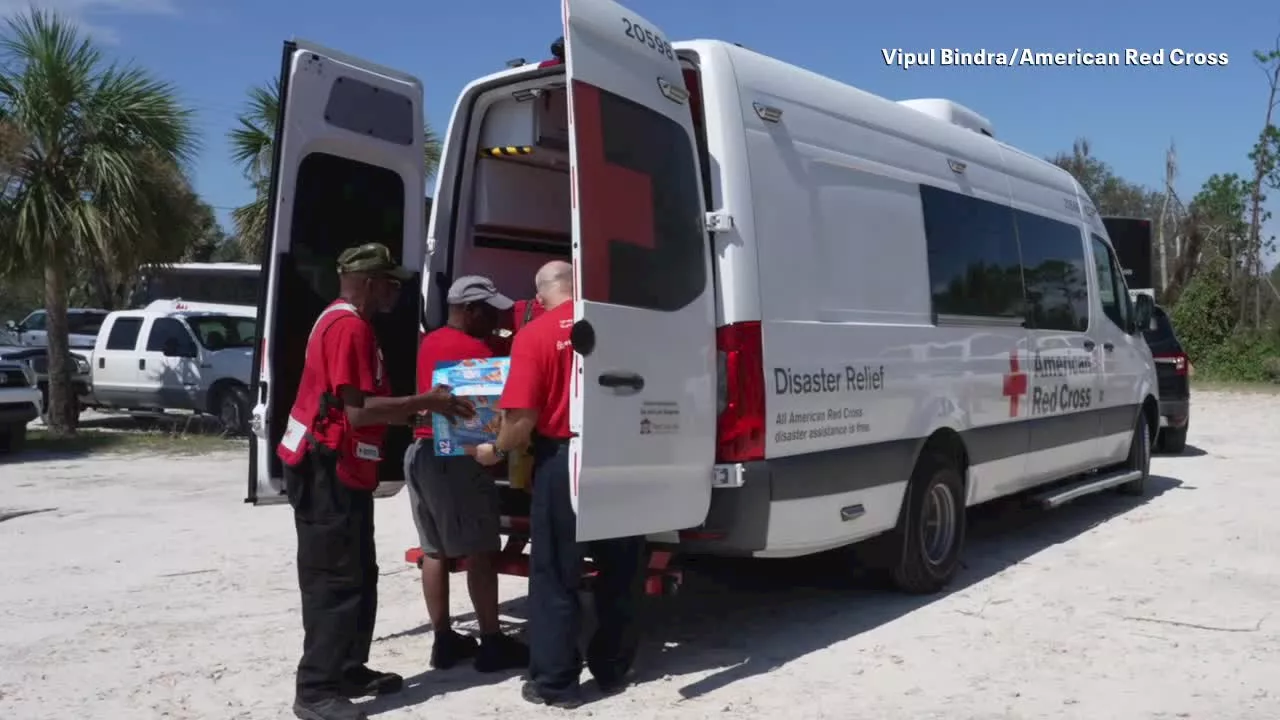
x,y
331,450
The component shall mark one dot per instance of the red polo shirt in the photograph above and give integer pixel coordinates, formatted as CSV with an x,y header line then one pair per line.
x,y
445,344
541,370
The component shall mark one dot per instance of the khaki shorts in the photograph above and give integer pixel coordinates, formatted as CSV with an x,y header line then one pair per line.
x,y
455,503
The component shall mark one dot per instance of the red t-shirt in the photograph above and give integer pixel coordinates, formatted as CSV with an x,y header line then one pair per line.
x,y
445,344
541,368
343,352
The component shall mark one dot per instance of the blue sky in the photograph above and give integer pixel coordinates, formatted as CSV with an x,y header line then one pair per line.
x,y
214,51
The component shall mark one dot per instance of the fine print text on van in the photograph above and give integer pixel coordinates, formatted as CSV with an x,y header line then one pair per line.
x,y
1026,57
828,422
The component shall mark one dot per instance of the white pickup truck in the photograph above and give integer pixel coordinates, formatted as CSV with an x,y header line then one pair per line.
x,y
175,355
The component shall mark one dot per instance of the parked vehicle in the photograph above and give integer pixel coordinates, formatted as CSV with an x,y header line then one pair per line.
x,y
177,356
83,325
19,404
766,260
1173,373
37,359
220,283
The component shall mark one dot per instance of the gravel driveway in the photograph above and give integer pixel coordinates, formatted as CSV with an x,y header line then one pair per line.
x,y
141,587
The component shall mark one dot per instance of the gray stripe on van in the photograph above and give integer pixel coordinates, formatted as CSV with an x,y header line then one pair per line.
x,y
743,513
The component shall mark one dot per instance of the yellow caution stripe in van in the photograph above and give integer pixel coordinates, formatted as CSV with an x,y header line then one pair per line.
x,y
505,151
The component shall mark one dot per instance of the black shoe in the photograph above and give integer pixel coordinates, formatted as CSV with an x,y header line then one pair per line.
x,y
500,652
450,648
568,701
328,709
363,682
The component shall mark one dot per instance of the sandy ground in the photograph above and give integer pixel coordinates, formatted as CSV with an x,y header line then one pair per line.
x,y
143,588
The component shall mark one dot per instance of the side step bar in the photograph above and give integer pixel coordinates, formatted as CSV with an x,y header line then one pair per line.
x,y
1066,493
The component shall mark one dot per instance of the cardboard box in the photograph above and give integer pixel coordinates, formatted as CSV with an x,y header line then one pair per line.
x,y
481,382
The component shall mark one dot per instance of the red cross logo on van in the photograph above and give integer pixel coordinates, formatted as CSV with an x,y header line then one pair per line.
x,y
1015,384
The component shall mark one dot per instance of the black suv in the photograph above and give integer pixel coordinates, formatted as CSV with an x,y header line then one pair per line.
x,y
1172,371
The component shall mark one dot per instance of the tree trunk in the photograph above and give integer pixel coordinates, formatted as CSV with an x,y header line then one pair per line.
x,y
1262,165
61,413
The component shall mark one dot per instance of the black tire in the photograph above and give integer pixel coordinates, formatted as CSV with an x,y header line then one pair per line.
x,y
231,405
1139,457
927,554
12,439
1173,441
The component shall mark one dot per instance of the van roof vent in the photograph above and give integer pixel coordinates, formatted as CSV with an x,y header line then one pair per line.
x,y
952,112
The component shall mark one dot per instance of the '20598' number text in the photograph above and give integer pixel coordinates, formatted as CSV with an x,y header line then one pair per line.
x,y
653,40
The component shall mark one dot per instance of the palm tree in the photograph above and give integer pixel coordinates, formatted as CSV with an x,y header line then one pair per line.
x,y
91,179
252,147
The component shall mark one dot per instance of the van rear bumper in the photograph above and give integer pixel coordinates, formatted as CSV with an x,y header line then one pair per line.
x,y
846,492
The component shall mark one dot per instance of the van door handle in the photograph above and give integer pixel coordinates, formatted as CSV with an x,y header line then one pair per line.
x,y
1108,346
622,382
1089,345
102,362
142,363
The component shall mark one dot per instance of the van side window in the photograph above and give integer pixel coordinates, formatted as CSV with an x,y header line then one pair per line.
x,y
643,244
974,268
1111,287
172,332
1053,270
124,333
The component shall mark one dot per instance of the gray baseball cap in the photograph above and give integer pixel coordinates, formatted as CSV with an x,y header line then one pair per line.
x,y
473,288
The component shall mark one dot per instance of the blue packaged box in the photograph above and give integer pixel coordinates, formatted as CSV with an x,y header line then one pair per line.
x,y
481,382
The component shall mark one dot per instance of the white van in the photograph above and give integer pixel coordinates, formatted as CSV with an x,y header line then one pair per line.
x,y
176,355
806,315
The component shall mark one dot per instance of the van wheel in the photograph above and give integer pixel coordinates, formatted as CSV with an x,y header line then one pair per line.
x,y
232,407
931,531
1139,458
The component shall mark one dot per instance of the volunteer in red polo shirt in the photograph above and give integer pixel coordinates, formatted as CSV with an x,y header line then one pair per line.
x,y
536,404
455,500
331,449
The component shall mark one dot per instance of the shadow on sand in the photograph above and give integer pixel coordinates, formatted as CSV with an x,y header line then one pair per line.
x,y
744,618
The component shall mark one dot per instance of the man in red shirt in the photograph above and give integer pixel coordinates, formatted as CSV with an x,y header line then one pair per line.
x,y
331,449
535,402
455,500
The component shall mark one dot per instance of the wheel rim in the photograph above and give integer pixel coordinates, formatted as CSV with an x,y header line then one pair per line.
x,y
229,414
938,531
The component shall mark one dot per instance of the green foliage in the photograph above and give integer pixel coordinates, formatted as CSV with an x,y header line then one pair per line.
x,y
95,151
1205,320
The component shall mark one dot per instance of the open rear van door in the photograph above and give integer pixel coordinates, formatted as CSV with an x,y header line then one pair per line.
x,y
347,169
643,404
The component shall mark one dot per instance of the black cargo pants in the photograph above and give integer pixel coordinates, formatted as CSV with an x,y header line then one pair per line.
x,y
337,573
555,576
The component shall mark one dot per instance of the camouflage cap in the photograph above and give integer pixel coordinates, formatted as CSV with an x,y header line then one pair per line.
x,y
371,258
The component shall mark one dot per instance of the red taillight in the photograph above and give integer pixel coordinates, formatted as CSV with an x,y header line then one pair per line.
x,y
740,426
1180,361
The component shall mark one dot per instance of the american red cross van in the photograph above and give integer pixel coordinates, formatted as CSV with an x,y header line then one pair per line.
x,y
806,316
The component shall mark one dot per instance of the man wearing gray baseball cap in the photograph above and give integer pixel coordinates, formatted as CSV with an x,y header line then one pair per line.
x,y
455,500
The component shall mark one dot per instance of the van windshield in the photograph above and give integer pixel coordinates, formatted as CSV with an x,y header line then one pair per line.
x,y
224,331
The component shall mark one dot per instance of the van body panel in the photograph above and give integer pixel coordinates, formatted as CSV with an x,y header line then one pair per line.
x,y
643,398
354,128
